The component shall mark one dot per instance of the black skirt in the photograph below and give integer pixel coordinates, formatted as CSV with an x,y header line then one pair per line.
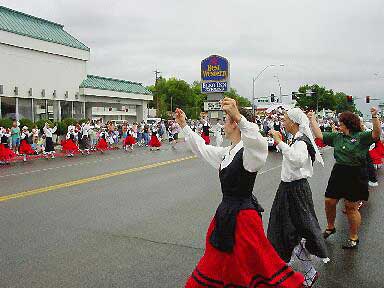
x,y
348,182
293,218
49,145
84,143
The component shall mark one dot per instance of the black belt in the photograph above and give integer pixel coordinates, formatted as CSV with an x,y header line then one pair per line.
x,y
223,235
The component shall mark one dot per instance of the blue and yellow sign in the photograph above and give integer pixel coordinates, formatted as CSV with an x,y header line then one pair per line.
x,y
214,74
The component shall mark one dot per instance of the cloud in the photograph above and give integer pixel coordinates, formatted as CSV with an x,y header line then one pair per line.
x,y
337,44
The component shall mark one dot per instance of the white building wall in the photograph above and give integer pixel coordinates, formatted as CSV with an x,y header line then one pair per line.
x,y
37,70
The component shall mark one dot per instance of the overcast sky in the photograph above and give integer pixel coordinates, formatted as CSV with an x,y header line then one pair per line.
x,y
335,43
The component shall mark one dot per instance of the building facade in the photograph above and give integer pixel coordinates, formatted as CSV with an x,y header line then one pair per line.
x,y
43,75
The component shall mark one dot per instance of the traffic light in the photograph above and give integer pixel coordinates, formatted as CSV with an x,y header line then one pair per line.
x,y
294,96
272,97
349,99
367,99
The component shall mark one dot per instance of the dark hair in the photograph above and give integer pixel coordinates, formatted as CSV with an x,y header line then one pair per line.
x,y
351,121
248,114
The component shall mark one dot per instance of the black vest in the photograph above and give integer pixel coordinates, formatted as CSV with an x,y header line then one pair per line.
x,y
236,186
311,150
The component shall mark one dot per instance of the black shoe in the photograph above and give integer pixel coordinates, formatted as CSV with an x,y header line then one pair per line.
x,y
328,232
351,244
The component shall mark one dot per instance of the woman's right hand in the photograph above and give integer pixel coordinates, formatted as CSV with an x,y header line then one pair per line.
x,y
180,117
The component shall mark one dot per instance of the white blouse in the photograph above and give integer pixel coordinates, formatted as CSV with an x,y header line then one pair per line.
x,y
49,131
255,148
297,163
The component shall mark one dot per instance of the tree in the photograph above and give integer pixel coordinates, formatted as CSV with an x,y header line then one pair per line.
x,y
342,103
242,101
323,98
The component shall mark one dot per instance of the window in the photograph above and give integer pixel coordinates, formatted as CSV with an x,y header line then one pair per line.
x,y
66,109
8,107
25,108
40,109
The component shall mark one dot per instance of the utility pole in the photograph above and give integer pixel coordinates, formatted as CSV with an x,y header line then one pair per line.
x,y
157,95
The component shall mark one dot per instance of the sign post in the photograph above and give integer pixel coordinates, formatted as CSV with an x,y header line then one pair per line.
x,y
214,82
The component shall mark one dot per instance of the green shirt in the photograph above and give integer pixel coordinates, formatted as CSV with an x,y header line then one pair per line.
x,y
15,133
350,149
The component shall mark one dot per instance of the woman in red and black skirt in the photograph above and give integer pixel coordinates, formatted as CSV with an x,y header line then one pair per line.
x,y
129,141
25,148
154,143
102,144
205,132
237,252
6,154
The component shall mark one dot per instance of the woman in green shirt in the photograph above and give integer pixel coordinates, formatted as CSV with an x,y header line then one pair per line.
x,y
349,179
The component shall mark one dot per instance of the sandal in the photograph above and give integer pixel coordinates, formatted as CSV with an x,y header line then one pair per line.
x,y
351,244
328,232
312,281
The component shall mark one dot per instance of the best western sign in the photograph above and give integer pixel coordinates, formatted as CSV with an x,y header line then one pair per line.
x,y
214,74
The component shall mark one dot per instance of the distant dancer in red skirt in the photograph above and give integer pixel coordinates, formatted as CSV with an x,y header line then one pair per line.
x,y
129,141
69,145
154,143
237,253
6,154
205,132
102,143
25,148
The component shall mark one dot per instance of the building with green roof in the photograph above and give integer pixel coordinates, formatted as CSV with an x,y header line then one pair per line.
x,y
46,75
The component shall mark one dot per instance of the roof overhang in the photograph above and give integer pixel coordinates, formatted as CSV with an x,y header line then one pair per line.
x,y
26,42
114,94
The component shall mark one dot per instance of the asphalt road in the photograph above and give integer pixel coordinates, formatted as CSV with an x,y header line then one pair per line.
x,y
97,221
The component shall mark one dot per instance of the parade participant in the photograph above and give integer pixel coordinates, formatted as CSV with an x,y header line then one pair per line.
x,y
217,133
129,141
154,143
69,145
237,253
205,132
348,180
102,143
6,154
35,134
15,136
293,229
92,136
84,139
49,149
25,148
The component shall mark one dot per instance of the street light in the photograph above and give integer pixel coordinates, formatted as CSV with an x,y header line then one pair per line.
x,y
278,81
253,83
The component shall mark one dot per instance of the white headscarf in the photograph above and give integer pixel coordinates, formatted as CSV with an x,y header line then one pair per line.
x,y
299,117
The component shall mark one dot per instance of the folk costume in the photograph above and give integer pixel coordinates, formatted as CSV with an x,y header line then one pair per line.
x,y
6,154
25,148
102,143
154,143
293,229
205,133
48,132
238,254
69,145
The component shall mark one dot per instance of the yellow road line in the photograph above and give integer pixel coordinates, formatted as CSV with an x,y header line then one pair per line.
x,y
90,179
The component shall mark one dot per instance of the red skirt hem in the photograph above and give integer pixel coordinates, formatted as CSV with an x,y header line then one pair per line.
x,y
25,148
102,144
6,154
154,142
129,140
206,138
69,146
252,263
